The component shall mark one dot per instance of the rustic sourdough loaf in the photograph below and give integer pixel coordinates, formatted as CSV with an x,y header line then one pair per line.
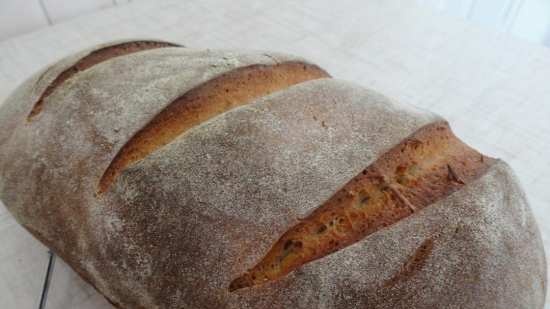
x,y
169,177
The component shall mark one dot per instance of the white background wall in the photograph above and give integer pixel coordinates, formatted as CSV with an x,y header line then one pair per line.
x,y
529,19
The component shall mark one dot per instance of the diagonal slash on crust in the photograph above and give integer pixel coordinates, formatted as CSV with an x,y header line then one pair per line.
x,y
229,90
93,58
425,167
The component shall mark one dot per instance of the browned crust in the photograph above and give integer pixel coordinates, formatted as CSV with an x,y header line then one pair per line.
x,y
214,97
92,59
415,262
425,167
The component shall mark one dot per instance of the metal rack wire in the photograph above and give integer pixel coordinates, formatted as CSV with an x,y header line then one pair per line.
x,y
47,280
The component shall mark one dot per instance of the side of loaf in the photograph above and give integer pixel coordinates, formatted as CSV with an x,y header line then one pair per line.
x,y
161,175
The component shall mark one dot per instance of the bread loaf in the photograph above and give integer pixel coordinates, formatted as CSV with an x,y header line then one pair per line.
x,y
169,177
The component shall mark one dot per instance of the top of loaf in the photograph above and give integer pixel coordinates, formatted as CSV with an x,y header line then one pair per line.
x,y
177,226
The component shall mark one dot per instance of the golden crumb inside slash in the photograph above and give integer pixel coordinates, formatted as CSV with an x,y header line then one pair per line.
x,y
217,96
425,167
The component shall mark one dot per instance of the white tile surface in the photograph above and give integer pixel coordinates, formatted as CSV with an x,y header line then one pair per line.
x,y
20,16
63,9
23,16
492,88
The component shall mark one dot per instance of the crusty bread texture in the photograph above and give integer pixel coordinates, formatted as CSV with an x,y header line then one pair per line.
x,y
418,171
169,177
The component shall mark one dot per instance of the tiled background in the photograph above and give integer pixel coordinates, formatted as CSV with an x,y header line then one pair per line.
x,y
493,88
22,16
